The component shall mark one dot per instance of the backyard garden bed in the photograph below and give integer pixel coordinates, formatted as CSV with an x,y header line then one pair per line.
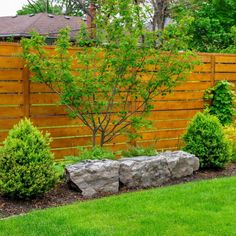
x,y
62,195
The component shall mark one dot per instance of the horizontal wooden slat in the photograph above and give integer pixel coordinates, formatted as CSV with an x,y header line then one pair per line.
x,y
193,86
71,142
55,121
11,99
11,62
9,49
161,144
225,67
179,95
61,153
203,68
177,105
8,123
11,112
199,77
11,87
44,98
11,74
225,59
226,76
169,124
39,88
152,135
172,115
68,131
48,110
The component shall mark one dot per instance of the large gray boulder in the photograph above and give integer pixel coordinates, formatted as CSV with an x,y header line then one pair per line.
x,y
142,172
106,176
94,177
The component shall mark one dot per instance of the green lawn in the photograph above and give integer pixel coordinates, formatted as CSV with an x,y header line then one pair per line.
x,y
200,208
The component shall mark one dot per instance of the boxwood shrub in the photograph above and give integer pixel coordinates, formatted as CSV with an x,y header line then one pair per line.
x,y
26,162
205,139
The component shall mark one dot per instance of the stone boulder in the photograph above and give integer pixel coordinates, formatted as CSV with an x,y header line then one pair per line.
x,y
94,177
106,176
144,171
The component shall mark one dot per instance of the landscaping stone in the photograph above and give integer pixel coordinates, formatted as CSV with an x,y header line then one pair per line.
x,y
106,176
181,163
144,171
94,177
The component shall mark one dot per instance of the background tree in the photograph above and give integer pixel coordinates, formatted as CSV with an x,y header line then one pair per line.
x,y
38,6
212,28
117,79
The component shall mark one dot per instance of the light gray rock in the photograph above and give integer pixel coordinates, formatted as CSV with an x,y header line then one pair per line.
x,y
142,172
106,176
181,163
94,177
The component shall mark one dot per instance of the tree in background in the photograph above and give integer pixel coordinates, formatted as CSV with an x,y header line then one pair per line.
x,y
38,6
113,84
57,7
212,29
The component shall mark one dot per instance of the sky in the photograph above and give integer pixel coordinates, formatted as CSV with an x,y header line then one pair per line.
x,y
9,7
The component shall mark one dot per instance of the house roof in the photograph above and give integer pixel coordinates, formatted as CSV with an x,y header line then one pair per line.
x,y
43,23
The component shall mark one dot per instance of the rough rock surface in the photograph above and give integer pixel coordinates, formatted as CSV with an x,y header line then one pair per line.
x,y
94,177
181,163
142,172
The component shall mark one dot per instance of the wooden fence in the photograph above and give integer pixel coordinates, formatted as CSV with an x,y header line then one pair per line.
x,y
19,98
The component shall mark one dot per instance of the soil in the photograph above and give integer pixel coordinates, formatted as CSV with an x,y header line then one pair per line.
x,y
62,195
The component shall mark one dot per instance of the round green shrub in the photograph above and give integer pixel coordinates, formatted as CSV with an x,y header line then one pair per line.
x,y
26,162
205,139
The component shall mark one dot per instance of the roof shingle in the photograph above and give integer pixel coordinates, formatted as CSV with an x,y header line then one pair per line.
x,y
44,24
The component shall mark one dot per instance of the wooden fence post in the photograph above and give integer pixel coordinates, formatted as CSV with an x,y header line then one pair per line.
x,y
213,66
26,91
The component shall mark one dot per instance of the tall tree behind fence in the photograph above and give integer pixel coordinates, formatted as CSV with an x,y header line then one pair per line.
x,y
19,97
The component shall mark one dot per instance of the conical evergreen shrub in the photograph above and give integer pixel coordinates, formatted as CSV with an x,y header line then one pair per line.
x,y
26,162
205,139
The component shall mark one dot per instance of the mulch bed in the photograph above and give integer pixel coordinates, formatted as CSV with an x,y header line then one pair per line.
x,y
62,195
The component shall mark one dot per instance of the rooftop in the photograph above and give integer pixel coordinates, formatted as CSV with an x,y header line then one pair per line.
x,y
43,23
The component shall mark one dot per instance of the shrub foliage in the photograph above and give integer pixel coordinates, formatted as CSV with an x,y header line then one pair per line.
x,y
26,162
222,98
230,133
205,139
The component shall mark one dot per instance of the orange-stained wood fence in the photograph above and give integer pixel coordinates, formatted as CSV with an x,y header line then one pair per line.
x,y
19,97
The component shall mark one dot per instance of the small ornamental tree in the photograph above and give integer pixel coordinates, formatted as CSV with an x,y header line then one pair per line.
x,y
26,162
112,82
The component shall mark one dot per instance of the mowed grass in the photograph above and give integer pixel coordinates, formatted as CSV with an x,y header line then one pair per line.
x,y
199,208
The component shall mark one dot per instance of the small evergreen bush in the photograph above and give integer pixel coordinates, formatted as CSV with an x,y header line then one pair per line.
x,y
205,139
26,162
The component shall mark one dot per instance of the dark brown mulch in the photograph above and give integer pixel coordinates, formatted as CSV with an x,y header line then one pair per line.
x,y
62,195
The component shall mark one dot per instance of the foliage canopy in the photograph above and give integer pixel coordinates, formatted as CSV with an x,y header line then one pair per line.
x,y
112,82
